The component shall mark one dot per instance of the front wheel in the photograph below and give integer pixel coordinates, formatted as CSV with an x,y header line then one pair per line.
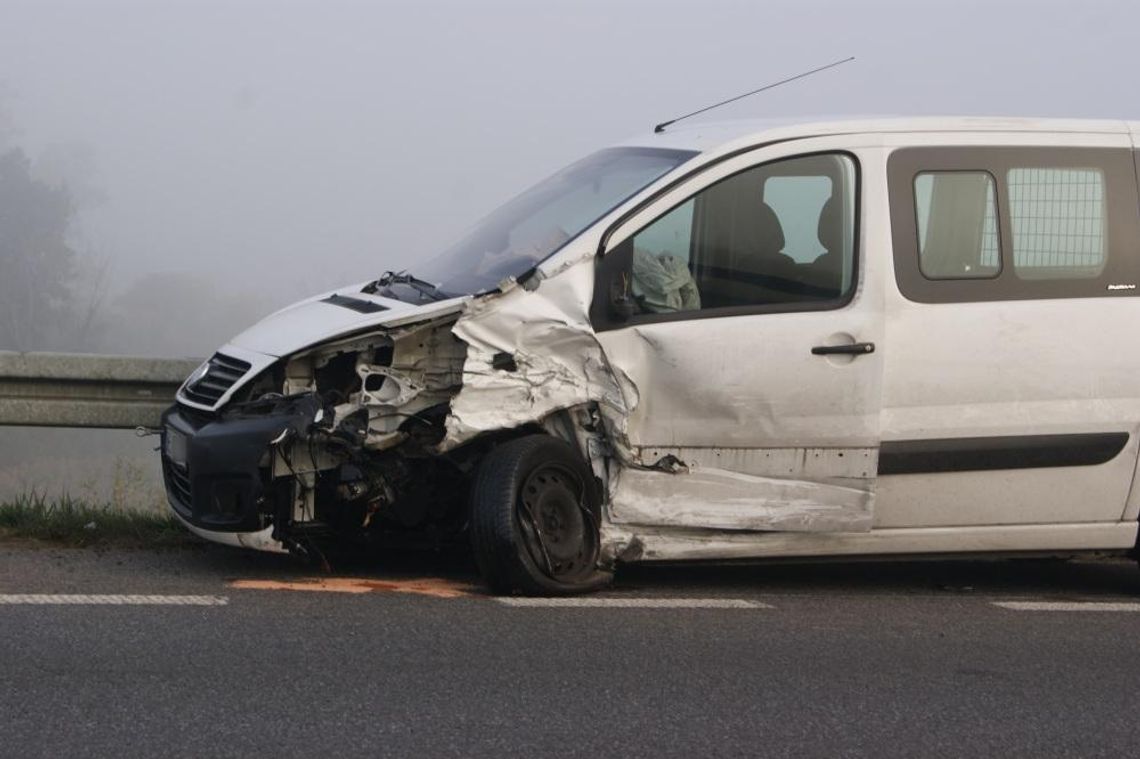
x,y
534,519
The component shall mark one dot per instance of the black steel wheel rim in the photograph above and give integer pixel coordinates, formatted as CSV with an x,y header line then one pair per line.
x,y
558,530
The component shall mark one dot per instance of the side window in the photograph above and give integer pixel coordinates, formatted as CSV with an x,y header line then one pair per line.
x,y
973,223
956,212
777,234
671,235
1057,217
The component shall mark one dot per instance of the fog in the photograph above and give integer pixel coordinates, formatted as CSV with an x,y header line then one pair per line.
x,y
225,158
275,149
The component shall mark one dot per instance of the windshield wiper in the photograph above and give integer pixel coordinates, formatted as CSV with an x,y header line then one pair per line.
x,y
423,287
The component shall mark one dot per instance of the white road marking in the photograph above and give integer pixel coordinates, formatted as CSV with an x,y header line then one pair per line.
x,y
1069,605
634,603
46,599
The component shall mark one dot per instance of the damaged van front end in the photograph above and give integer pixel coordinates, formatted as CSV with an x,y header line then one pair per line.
x,y
273,447
369,413
376,435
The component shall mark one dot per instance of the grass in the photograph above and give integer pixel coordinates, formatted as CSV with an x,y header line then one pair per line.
x,y
64,520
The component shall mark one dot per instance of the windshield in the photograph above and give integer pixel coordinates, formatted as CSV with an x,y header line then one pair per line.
x,y
538,222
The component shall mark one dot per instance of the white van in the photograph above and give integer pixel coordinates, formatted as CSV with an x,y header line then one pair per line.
x,y
716,342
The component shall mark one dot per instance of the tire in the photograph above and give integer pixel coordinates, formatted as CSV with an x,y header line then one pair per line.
x,y
534,519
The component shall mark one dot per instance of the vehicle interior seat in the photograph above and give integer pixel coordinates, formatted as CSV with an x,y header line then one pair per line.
x,y
745,264
825,273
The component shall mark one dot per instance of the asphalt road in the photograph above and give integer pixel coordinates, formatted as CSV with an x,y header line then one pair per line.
x,y
907,659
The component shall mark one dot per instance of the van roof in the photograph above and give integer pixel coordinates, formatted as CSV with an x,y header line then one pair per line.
x,y
705,136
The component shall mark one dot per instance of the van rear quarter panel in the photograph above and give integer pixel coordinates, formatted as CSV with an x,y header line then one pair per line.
x,y
1011,368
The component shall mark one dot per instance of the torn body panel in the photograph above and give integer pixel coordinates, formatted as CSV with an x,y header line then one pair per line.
x,y
726,500
789,489
627,543
556,362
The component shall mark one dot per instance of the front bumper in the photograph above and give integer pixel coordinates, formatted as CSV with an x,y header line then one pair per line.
x,y
217,470
262,540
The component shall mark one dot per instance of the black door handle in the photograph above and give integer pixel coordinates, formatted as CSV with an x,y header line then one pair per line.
x,y
851,349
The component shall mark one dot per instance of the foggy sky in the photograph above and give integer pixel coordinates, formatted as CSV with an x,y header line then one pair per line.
x,y
283,148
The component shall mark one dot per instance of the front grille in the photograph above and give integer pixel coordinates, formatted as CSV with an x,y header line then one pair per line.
x,y
221,374
178,481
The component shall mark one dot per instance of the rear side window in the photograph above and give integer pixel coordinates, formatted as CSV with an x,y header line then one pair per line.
x,y
1058,222
956,213
1009,223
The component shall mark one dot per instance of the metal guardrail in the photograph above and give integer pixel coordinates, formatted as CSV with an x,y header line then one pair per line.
x,y
82,390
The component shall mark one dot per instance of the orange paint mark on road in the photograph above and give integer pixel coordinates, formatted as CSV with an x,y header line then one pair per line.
x,y
435,587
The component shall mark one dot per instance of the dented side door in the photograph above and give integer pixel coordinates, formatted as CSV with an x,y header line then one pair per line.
x,y
761,415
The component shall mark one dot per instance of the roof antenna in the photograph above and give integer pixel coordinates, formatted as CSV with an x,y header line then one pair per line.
x,y
661,127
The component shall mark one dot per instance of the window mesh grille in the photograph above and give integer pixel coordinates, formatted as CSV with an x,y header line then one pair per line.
x,y
1057,218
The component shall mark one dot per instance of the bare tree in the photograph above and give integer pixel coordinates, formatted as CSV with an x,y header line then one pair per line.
x,y
36,263
51,296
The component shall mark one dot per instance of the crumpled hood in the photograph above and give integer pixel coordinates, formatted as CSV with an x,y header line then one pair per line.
x,y
316,320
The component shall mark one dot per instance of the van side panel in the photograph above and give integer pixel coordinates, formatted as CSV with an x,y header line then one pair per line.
x,y
1026,368
989,359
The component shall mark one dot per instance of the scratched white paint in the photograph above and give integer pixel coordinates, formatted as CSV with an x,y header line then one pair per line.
x,y
720,499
